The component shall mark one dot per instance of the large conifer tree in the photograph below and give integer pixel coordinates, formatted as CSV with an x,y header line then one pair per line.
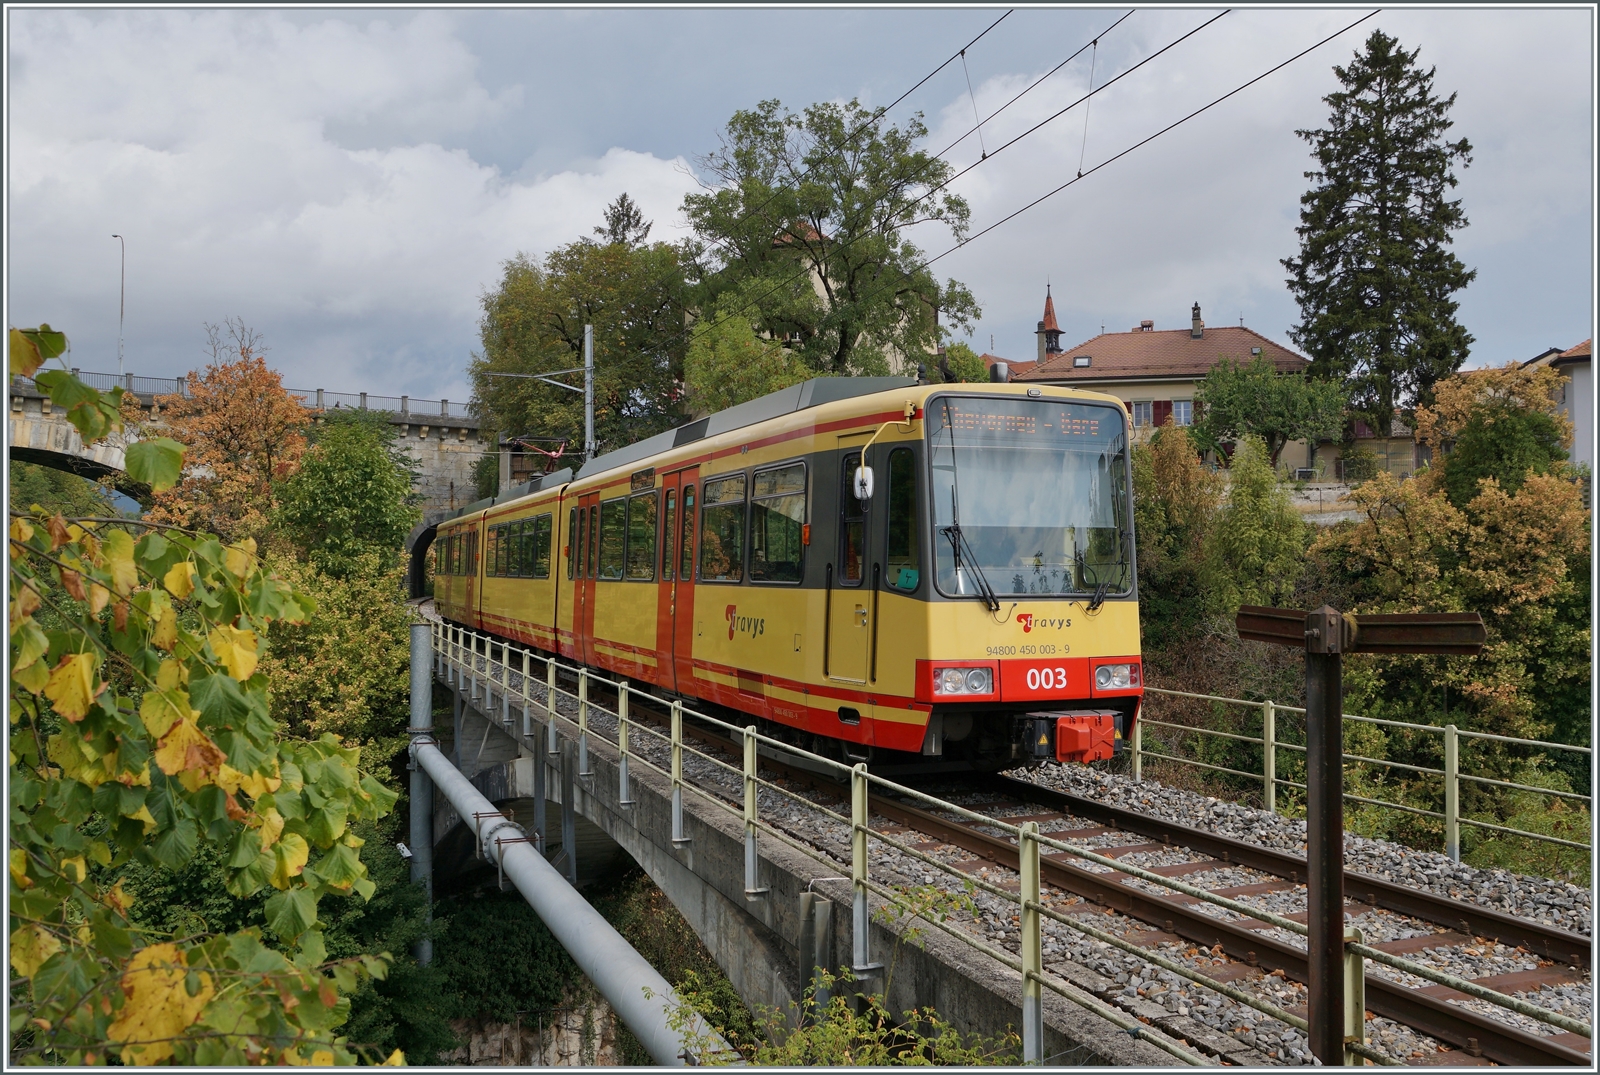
x,y
1375,274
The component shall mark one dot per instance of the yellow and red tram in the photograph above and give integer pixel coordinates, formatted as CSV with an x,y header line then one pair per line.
x,y
872,564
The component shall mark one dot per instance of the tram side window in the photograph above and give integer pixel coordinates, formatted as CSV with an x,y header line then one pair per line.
x,y
642,536
686,541
852,524
496,546
574,543
667,534
513,541
592,564
613,529
777,514
904,563
540,562
722,530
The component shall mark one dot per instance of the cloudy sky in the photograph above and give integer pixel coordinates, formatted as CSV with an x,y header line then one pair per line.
x,y
349,183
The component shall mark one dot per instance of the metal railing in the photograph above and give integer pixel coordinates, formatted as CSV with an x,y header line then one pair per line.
x,y
467,661
1451,774
311,398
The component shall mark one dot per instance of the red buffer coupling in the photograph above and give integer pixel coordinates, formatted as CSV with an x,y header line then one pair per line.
x,y
1086,735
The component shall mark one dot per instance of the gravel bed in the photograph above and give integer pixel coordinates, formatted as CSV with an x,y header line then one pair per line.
x,y
1537,899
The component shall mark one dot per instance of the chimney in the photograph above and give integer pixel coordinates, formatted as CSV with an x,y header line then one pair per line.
x,y
1146,325
1197,327
1000,372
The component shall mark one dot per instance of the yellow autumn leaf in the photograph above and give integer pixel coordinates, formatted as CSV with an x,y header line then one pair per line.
x,y
185,748
73,685
322,1058
179,580
74,869
256,785
21,531
236,650
290,853
118,551
271,827
161,709
164,635
397,1059
170,674
19,868
241,557
156,1004
30,947
99,598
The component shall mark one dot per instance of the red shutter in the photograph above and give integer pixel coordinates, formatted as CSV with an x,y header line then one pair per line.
x,y
1161,410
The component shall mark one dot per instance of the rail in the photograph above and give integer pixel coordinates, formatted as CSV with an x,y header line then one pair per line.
x,y
1450,774
311,398
460,652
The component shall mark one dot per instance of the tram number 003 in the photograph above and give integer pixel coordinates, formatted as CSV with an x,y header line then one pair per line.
x,y
1045,679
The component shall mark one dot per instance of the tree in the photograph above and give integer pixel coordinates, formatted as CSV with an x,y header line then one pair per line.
x,y
55,490
1375,275
141,732
727,363
241,432
625,223
533,323
1257,547
351,496
1495,423
961,363
813,210
1236,399
1175,503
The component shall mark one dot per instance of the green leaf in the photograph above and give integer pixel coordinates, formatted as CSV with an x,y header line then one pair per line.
x,y
291,913
218,698
157,463
313,951
175,847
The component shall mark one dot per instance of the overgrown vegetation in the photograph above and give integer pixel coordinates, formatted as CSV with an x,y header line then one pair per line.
x,y
1496,526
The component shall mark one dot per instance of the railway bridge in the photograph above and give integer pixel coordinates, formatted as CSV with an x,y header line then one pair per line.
x,y
786,863
443,440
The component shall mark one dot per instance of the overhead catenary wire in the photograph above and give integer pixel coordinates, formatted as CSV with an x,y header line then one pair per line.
x,y
1151,138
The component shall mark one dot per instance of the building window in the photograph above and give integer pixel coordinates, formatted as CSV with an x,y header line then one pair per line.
x,y
1080,361
1141,414
1183,412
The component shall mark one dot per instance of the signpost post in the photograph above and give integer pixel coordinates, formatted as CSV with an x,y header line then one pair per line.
x,y
1326,634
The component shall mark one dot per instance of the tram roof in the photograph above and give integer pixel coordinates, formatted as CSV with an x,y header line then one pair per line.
x,y
812,393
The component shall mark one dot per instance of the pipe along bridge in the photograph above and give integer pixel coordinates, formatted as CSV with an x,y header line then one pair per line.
x,y
539,782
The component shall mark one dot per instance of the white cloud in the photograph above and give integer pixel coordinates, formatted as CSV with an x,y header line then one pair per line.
x,y
204,139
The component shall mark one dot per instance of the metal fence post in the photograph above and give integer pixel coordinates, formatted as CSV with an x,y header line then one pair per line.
x,y
1355,997
677,774
861,922
550,699
1137,748
505,685
527,717
624,792
1269,757
1452,793
752,888
1032,947
583,722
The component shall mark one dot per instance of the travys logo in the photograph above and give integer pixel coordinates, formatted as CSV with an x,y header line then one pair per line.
x,y
1029,621
744,625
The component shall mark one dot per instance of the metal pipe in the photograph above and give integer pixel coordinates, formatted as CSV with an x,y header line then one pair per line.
x,y
642,998
588,393
1325,855
421,799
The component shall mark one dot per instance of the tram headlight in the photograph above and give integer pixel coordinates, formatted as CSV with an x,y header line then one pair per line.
x,y
1116,677
963,681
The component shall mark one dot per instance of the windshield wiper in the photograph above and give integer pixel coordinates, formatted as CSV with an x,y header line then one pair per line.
x,y
1098,597
958,541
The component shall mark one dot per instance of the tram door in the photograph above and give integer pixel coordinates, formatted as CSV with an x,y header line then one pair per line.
x,y
588,567
850,598
675,607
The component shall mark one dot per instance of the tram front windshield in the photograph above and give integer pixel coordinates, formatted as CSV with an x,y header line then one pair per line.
x,y
1029,497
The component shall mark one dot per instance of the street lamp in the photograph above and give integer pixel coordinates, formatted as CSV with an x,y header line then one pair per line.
x,y
122,302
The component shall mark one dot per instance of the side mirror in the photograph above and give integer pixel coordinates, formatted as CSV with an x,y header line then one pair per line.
x,y
863,483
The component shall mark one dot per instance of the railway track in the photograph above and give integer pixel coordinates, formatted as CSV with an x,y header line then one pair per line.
x,y
1252,949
